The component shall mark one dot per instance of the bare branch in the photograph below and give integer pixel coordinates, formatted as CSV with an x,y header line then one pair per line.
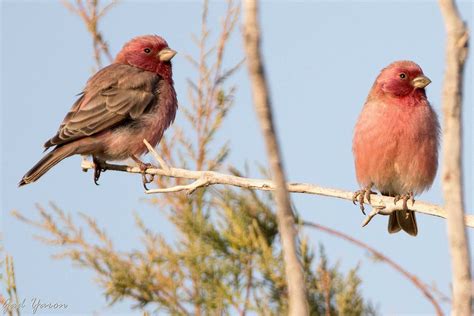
x,y
298,303
456,53
189,188
157,157
424,288
384,204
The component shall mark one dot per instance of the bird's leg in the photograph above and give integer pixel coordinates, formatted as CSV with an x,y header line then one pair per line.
x,y
143,166
99,166
405,197
361,195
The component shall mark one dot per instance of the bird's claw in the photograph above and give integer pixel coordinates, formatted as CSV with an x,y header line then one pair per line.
x,y
143,167
405,198
145,179
360,196
97,172
98,168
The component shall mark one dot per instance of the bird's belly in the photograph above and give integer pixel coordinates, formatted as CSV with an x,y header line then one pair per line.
x,y
402,175
407,166
126,141
396,156
129,142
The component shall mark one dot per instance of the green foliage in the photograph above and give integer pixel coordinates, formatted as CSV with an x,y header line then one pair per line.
x,y
219,264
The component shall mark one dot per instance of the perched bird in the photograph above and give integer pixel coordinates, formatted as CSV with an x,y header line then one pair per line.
x,y
128,101
395,142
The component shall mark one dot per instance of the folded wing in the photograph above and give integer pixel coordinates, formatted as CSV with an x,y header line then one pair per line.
x,y
115,94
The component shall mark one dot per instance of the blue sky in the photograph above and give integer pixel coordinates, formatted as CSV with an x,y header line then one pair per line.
x,y
321,58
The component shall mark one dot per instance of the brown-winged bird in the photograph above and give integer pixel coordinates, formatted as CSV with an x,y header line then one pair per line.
x,y
128,101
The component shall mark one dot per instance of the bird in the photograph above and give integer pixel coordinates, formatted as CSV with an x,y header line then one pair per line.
x,y
130,100
395,141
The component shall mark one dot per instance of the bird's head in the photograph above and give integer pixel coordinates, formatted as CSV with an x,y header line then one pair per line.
x,y
402,78
149,52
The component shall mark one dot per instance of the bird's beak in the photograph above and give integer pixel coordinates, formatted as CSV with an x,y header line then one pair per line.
x,y
421,81
166,54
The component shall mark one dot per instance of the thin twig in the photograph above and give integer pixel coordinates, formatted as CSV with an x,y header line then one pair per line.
x,y
452,180
424,288
11,287
157,157
91,15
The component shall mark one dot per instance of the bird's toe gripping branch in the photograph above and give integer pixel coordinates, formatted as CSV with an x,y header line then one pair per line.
x,y
361,196
146,178
202,181
405,198
99,167
387,209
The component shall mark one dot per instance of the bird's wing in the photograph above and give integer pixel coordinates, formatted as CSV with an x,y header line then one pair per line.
x,y
113,95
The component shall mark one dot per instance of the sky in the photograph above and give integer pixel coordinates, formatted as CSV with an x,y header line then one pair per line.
x,y
321,59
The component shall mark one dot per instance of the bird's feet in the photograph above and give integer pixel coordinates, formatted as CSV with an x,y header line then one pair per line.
x,y
405,198
361,196
146,178
99,166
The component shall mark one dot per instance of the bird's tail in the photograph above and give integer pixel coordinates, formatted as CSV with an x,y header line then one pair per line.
x,y
403,219
46,163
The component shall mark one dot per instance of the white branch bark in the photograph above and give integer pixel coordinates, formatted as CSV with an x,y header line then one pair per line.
x,y
456,52
382,205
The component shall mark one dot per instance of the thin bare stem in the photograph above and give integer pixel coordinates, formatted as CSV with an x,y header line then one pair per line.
x,y
452,180
14,305
90,13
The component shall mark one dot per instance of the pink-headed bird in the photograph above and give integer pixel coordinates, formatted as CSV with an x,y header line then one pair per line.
x,y
128,101
395,142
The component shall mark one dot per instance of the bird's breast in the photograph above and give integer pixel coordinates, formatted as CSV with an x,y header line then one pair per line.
x,y
158,118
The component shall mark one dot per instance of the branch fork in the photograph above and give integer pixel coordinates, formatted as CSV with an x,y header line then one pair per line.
x,y
383,209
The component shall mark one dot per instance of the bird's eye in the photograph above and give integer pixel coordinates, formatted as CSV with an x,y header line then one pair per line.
x,y
147,50
402,76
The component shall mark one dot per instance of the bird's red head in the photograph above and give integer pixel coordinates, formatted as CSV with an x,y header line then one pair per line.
x,y
402,78
149,52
